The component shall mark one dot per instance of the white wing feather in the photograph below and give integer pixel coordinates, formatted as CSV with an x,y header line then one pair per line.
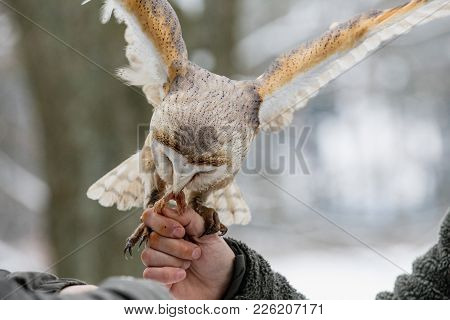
x,y
230,205
277,109
123,186
146,68
152,51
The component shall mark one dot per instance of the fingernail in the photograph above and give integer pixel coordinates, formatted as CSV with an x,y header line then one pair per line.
x,y
178,232
196,253
186,265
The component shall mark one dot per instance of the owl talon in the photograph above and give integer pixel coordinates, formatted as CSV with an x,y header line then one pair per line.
x,y
144,237
136,236
127,251
212,221
223,230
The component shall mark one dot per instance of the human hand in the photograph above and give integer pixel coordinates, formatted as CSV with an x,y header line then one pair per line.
x,y
190,266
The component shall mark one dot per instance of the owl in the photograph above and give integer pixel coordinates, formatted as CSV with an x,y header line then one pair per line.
x,y
203,124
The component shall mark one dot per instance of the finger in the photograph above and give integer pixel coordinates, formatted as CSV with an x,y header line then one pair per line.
x,y
178,248
153,258
163,225
166,275
191,220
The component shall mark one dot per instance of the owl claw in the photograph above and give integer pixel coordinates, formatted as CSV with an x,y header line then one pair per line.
x,y
143,239
212,221
223,230
140,232
140,235
128,249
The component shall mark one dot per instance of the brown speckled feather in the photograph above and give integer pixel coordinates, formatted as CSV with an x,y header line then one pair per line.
x,y
296,77
338,39
160,23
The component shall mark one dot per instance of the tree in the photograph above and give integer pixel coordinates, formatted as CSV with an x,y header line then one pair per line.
x,y
91,123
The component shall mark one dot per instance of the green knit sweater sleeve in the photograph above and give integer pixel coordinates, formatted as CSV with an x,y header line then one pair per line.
x,y
430,277
254,279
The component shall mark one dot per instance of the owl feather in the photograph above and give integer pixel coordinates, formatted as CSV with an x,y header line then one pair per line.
x,y
295,78
188,99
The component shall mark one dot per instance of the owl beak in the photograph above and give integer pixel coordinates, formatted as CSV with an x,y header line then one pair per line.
x,y
179,182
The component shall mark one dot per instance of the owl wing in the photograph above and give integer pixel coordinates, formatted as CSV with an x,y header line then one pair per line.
x,y
123,186
298,76
230,205
156,50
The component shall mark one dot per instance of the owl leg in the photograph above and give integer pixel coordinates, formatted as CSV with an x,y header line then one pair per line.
x,y
211,217
142,232
181,202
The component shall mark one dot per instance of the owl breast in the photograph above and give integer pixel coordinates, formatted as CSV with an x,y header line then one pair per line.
x,y
208,119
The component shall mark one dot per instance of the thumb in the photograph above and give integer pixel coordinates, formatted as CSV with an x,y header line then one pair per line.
x,y
192,222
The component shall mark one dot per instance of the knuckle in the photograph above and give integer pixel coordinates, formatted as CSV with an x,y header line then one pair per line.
x,y
166,276
146,256
146,215
153,240
186,251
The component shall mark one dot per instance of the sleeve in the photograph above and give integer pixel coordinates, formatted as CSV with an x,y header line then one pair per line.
x,y
430,278
32,285
254,279
124,288
44,286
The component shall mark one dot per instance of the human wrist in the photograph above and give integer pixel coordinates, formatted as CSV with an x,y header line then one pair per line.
x,y
220,259
228,268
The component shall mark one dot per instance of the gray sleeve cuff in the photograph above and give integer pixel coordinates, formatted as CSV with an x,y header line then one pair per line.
x,y
254,279
124,288
430,278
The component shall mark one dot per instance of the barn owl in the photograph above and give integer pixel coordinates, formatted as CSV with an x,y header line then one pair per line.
x,y
203,123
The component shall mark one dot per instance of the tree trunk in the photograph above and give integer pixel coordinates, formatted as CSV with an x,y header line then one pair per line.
x,y
92,122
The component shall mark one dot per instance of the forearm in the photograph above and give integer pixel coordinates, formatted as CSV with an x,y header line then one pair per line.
x,y
254,279
44,286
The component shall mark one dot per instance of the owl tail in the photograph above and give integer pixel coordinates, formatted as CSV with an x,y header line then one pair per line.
x,y
123,186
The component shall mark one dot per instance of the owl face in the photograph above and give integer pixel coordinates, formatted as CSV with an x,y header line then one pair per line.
x,y
202,129
179,172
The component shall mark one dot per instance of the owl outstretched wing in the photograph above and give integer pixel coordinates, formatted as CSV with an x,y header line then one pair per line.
x,y
295,78
123,186
156,50
230,205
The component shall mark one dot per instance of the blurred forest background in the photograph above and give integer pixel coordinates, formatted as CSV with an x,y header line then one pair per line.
x,y
377,153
